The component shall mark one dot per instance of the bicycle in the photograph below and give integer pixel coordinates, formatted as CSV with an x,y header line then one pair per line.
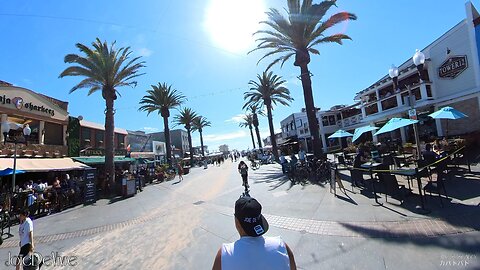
x,y
254,165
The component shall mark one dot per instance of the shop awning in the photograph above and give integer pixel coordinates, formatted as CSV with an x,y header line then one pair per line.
x,y
101,160
43,164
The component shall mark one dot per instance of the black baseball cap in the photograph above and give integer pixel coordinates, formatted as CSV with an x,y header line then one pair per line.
x,y
248,212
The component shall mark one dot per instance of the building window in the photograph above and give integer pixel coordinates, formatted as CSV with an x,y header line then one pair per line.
x,y
331,120
324,121
86,137
99,138
53,134
120,141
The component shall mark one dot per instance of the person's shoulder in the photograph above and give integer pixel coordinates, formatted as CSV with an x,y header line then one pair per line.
x,y
274,240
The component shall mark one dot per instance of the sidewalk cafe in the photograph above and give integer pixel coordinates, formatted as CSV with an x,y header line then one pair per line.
x,y
400,172
41,185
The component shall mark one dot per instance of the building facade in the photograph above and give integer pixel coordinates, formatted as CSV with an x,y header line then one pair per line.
x,y
47,118
451,77
139,141
178,139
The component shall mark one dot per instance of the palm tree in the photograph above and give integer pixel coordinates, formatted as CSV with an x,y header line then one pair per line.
x,y
185,118
248,122
199,123
297,36
162,98
268,91
105,69
255,110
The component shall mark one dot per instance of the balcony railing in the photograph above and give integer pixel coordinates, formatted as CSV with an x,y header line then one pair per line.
x,y
34,150
390,101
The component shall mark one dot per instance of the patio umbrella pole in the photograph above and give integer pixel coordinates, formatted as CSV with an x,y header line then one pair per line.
x,y
14,166
415,125
417,140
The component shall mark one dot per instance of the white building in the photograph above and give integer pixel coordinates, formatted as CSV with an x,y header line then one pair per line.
x,y
451,78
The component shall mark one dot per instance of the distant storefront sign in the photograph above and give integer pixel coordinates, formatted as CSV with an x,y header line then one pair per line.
x,y
158,148
453,66
101,152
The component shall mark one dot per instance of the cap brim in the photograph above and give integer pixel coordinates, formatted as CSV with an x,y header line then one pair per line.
x,y
255,229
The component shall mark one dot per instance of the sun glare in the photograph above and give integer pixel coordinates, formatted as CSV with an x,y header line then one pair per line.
x,y
231,23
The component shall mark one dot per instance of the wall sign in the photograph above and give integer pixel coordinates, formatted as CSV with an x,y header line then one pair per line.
x,y
453,66
20,104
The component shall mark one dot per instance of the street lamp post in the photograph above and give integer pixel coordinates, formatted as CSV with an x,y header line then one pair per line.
x,y
5,128
419,61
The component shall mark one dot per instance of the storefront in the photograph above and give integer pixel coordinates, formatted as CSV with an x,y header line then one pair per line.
x,y
47,118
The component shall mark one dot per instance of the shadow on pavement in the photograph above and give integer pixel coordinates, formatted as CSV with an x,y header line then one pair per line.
x,y
463,244
275,178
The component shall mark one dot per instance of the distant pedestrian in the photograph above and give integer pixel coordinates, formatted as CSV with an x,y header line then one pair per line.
x,y
243,170
180,171
253,251
25,231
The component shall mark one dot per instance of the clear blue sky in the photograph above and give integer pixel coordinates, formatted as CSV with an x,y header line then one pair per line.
x,y
184,43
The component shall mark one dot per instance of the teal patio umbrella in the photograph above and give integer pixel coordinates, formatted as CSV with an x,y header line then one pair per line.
x,y
447,113
340,134
395,123
359,131
9,171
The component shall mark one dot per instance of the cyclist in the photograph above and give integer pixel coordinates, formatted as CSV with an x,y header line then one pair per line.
x,y
243,170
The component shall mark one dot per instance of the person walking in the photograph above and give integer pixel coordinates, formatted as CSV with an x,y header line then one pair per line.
x,y
180,171
253,251
243,170
25,231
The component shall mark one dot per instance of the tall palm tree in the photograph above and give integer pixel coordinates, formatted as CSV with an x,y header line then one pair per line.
x,y
255,110
185,118
297,35
248,122
105,69
268,91
162,98
199,123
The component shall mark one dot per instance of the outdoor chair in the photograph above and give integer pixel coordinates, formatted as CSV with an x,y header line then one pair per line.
x,y
341,160
375,155
388,161
392,187
438,186
427,172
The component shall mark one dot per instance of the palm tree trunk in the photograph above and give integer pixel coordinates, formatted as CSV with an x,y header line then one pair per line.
x,y
272,131
201,142
259,139
109,139
255,124
311,111
168,146
251,135
191,146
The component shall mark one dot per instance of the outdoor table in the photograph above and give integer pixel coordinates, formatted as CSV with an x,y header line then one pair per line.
x,y
370,166
413,173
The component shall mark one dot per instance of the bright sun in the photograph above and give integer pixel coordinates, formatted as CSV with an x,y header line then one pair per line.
x,y
231,23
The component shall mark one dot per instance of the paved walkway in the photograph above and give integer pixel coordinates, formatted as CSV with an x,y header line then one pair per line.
x,y
180,225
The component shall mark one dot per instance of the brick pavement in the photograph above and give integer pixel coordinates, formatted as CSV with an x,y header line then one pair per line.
x,y
415,228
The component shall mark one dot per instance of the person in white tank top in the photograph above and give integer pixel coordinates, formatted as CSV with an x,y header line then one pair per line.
x,y
253,250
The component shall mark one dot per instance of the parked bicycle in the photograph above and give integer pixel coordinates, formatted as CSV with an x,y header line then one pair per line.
x,y
254,165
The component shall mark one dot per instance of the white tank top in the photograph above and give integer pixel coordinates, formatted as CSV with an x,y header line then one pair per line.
x,y
255,253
